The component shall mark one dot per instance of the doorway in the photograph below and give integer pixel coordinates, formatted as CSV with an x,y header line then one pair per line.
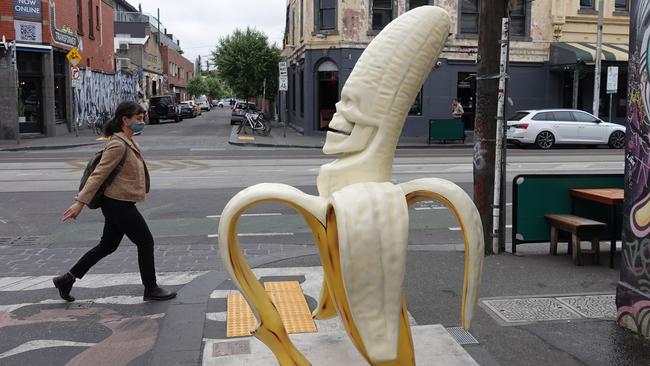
x,y
466,95
328,92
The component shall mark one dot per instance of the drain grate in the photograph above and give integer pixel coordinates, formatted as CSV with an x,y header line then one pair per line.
x,y
517,311
16,241
462,336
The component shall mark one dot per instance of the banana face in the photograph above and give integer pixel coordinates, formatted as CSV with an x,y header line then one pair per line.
x,y
360,219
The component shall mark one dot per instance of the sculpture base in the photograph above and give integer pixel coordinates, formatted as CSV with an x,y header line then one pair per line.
x,y
433,346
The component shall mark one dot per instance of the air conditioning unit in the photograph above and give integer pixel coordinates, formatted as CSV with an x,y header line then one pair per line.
x,y
122,63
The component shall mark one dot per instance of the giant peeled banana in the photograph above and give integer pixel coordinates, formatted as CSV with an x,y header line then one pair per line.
x,y
360,220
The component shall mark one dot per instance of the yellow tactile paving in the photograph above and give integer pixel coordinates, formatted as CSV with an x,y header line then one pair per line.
x,y
288,298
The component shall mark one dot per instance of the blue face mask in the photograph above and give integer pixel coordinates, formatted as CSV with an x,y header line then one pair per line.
x,y
136,127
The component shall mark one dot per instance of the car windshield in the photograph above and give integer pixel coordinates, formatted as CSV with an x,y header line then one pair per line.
x,y
518,116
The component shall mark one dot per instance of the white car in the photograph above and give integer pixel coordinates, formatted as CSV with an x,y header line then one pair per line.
x,y
547,127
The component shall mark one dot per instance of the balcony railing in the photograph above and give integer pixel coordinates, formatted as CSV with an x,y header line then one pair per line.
x,y
135,17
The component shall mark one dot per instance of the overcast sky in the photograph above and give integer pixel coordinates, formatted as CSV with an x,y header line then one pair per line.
x,y
199,24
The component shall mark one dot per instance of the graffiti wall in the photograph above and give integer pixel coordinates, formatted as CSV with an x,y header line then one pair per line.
x,y
633,292
98,92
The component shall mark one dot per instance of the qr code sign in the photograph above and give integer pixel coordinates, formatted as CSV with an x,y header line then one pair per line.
x,y
28,32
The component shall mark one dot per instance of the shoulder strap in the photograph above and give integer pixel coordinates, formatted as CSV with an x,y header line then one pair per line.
x,y
119,166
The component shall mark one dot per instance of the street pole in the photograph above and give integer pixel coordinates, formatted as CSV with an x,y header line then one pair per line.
x,y
599,51
491,14
499,155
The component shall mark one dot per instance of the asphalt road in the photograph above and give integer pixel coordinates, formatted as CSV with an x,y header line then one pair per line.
x,y
194,173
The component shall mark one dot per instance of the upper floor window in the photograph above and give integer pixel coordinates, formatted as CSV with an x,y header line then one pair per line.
x,y
326,17
80,22
622,5
587,4
520,19
412,4
97,13
91,26
382,13
469,16
302,18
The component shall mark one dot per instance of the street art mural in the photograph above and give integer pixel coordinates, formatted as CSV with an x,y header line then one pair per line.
x,y
98,92
633,292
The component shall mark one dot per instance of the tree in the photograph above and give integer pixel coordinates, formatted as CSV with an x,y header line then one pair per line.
x,y
213,87
245,60
196,86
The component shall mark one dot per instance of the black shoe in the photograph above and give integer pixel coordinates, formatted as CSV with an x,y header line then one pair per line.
x,y
158,294
64,284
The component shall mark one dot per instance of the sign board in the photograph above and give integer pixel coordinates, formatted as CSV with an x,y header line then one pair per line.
x,y
27,9
73,57
612,79
75,73
28,31
283,82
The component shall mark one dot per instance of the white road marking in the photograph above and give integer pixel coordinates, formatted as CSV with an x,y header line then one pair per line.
x,y
458,228
42,343
255,234
217,317
3,221
97,280
249,215
220,294
271,171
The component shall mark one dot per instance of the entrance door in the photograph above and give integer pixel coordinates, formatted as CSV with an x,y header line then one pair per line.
x,y
30,105
465,92
328,92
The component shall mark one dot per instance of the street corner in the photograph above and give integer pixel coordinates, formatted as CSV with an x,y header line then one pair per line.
x,y
108,319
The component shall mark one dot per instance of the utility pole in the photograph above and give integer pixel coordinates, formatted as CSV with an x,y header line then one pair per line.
x,y
599,51
491,14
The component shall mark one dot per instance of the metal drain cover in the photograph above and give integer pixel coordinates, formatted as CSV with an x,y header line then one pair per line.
x,y
462,336
523,310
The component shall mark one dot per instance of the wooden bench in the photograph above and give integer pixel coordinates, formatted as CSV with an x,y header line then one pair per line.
x,y
578,227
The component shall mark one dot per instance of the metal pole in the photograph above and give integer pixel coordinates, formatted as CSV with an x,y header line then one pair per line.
x,y
496,203
599,51
611,101
576,85
14,65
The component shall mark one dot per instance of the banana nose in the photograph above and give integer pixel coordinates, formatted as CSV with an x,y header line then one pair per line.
x,y
340,124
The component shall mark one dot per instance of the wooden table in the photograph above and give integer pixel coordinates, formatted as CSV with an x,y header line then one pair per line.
x,y
611,197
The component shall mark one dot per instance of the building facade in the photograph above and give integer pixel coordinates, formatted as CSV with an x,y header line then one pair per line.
x,y
36,93
550,40
177,69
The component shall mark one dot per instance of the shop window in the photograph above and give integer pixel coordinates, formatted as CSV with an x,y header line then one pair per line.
x,y
412,4
382,13
469,16
60,104
302,91
80,23
326,17
91,27
416,108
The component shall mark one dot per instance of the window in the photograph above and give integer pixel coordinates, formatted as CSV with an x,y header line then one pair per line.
x,y
416,108
293,92
543,116
91,27
326,18
302,18
97,17
518,116
469,17
586,4
622,5
563,116
382,13
518,24
584,117
412,4
302,91
80,24
60,102
293,27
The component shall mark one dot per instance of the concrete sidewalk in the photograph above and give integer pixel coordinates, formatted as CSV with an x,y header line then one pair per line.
x,y
38,142
282,136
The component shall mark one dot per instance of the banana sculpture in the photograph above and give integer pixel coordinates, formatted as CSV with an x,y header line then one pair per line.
x,y
360,220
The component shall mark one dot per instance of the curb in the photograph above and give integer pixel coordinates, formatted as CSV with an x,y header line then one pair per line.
x,y
45,147
262,144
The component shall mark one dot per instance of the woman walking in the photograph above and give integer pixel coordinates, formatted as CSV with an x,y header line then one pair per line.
x,y
121,217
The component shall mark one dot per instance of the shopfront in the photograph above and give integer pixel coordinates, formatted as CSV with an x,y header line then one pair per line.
x,y
31,118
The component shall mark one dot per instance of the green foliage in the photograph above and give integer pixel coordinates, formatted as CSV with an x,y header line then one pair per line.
x,y
245,59
214,90
196,86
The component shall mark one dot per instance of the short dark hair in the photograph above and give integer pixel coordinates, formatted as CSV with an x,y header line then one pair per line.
x,y
125,109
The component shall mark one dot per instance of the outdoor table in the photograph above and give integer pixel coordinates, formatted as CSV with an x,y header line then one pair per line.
x,y
611,197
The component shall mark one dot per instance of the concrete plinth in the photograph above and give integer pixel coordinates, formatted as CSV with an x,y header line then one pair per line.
x,y
433,346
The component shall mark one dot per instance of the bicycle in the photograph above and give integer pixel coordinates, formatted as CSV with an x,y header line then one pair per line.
x,y
256,123
100,121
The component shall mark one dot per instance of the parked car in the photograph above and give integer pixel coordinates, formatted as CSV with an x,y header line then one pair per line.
x,y
203,102
238,111
163,107
196,107
187,110
548,127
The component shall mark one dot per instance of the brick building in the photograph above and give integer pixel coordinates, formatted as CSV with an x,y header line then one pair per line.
x,y
33,67
177,69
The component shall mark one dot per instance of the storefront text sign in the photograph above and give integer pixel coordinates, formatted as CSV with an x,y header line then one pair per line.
x,y
64,37
28,9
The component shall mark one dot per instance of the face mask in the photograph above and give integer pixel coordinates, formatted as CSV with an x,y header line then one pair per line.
x,y
136,127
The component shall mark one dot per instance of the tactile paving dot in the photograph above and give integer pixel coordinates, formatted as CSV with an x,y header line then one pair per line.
x,y
288,298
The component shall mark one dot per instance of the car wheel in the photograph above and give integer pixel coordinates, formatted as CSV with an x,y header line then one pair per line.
x,y
154,121
177,118
545,140
617,140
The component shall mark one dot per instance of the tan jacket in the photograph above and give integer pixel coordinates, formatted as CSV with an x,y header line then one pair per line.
x,y
130,184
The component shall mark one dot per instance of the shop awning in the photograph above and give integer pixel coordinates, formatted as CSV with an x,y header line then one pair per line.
x,y
565,53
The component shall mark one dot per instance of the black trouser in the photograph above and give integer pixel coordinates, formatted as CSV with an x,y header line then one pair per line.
x,y
121,218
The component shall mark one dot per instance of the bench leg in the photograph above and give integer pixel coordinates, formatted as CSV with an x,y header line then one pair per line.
x,y
595,247
575,242
554,234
